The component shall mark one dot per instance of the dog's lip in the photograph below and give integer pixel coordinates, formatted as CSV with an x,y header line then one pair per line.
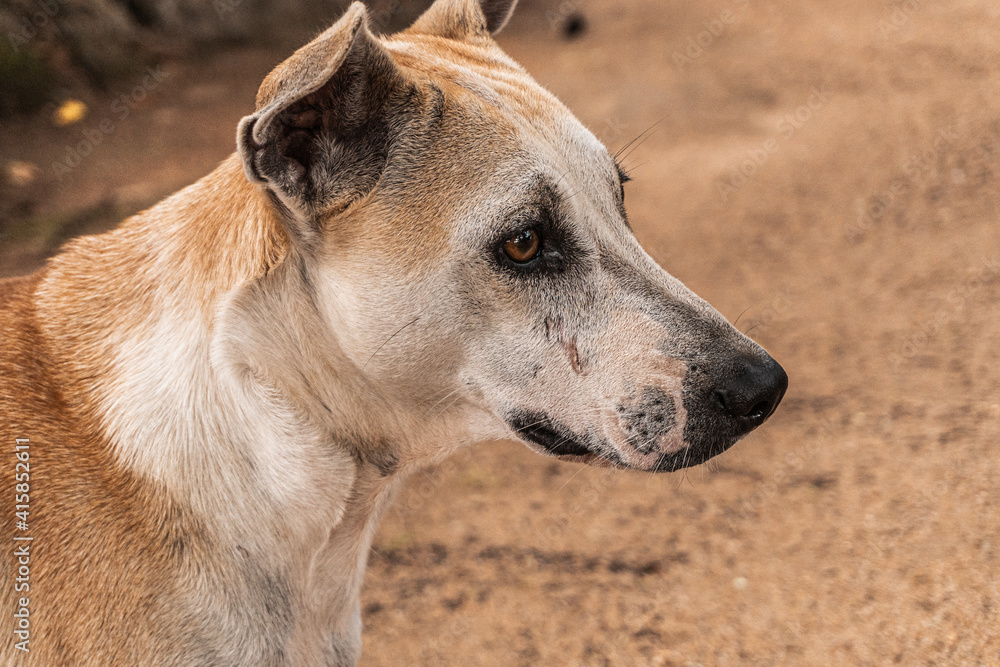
x,y
540,431
600,460
593,460
548,438
580,458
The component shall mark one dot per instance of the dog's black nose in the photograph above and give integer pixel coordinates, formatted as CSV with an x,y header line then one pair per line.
x,y
754,393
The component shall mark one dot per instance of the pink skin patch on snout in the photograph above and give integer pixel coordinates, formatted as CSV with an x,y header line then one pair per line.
x,y
650,427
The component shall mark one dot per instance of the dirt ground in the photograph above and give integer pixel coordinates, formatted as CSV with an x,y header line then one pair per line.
x,y
828,173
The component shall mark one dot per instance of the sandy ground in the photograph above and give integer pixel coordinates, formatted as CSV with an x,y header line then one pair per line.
x,y
830,175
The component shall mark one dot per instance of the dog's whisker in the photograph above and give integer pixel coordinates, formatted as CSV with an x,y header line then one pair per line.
x,y
434,396
564,175
571,478
398,331
650,132
641,138
450,404
654,469
634,139
442,400
745,310
634,168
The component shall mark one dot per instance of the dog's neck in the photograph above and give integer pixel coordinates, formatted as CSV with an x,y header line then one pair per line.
x,y
141,308
187,324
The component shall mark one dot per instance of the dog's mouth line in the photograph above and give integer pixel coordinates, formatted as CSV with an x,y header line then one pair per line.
x,y
559,444
569,449
595,461
551,438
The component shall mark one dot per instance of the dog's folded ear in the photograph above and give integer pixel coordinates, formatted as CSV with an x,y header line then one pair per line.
x,y
320,136
464,19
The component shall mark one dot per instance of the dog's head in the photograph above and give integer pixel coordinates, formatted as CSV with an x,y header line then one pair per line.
x,y
465,242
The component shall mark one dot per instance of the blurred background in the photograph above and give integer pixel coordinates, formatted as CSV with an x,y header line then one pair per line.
x,y
827,173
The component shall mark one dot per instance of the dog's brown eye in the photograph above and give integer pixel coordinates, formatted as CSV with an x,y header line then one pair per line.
x,y
523,246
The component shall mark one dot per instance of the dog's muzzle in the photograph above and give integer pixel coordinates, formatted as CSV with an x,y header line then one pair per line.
x,y
726,401
722,402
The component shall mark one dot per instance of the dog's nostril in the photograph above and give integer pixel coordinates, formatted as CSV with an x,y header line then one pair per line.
x,y
734,405
754,393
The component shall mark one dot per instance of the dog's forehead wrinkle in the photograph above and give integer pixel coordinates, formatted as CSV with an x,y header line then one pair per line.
x,y
471,66
496,80
517,194
546,191
524,118
585,190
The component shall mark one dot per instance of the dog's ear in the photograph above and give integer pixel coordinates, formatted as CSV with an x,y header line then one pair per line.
x,y
320,136
464,19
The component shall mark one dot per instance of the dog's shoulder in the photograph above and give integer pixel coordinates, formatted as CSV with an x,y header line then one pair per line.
x,y
88,520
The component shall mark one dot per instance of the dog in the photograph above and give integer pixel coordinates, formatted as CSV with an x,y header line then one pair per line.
x,y
415,248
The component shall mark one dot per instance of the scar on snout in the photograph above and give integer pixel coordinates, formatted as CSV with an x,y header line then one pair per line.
x,y
551,325
574,355
555,326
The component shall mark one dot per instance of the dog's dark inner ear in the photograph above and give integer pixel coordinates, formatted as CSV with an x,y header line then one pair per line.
x,y
320,136
464,19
